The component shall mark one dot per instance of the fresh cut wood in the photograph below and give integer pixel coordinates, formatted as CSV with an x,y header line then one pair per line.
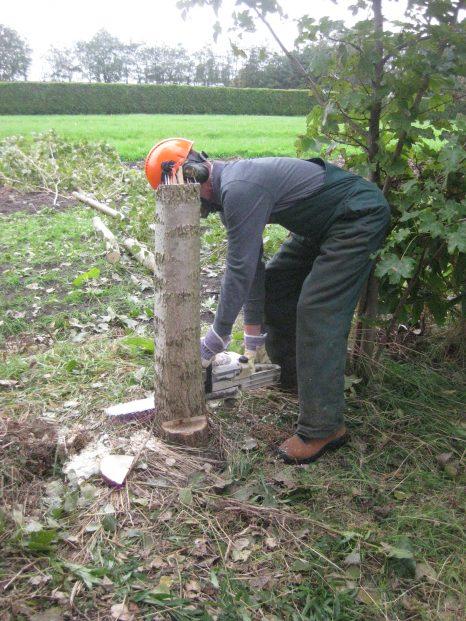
x,y
111,243
92,202
140,253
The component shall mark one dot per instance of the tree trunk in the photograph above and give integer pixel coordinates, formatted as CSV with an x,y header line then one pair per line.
x,y
179,391
365,334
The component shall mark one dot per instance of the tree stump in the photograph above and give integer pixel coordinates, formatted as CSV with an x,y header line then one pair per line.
x,y
178,391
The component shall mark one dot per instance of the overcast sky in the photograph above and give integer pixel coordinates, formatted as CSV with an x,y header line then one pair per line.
x,y
62,22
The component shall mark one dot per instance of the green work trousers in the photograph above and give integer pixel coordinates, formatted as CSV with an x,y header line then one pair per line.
x,y
312,287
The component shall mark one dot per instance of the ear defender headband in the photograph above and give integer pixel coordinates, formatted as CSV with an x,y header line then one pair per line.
x,y
195,169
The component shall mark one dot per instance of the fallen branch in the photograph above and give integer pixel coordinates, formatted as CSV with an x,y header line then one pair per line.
x,y
88,200
111,243
140,253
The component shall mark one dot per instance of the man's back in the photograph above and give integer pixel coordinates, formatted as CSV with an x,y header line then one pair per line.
x,y
285,179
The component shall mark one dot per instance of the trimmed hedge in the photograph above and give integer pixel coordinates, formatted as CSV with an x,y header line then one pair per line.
x,y
59,98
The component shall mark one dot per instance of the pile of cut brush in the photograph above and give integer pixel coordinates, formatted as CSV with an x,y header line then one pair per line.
x,y
49,163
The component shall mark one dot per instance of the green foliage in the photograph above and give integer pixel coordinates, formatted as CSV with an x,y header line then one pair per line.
x,y
387,99
385,94
55,98
428,240
41,541
94,272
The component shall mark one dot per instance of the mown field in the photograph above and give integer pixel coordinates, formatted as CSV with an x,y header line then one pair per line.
x,y
373,532
134,134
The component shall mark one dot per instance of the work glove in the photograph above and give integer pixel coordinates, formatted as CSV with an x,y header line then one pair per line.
x,y
254,349
211,345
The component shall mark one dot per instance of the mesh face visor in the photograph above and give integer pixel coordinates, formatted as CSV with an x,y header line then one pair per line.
x,y
167,172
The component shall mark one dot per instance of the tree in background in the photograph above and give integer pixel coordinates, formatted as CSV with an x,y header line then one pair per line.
x,y
102,58
386,103
148,65
63,64
15,55
264,69
129,59
207,70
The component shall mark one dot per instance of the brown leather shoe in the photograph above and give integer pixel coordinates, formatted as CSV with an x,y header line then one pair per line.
x,y
295,450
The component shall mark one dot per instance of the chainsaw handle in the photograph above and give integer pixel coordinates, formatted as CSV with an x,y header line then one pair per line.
x,y
208,380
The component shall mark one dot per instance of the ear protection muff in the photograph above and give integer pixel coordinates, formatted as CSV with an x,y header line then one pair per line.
x,y
195,172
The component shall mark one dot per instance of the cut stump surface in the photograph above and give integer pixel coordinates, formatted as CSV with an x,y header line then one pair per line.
x,y
192,431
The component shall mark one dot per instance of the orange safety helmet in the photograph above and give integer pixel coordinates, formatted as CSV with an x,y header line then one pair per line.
x,y
171,153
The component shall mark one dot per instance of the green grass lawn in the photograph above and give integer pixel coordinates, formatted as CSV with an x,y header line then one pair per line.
x,y
134,134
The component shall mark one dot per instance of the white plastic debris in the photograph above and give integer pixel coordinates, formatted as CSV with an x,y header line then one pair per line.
x,y
115,468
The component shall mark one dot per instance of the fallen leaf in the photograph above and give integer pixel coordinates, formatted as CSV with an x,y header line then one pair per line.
x,y
410,604
399,495
424,570
353,572
71,404
260,582
301,565
156,563
354,558
451,470
52,614
242,543
39,579
249,444
443,458
164,585
200,548
286,477
120,612
368,596
400,558
240,555
8,383
194,586
60,596
186,496
271,543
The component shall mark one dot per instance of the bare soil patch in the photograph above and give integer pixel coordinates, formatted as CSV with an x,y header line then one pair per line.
x,y
28,447
12,201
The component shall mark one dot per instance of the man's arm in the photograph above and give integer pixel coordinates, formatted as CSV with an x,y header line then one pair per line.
x,y
253,309
246,209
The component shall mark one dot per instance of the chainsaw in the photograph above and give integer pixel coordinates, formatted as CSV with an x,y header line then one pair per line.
x,y
228,375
